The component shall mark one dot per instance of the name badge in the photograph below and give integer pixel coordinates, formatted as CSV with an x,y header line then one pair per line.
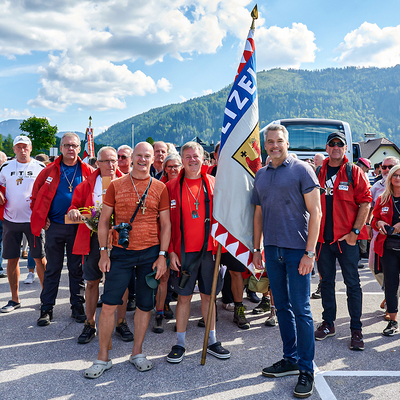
x,y
344,186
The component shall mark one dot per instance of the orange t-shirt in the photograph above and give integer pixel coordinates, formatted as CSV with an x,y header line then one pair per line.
x,y
193,220
122,197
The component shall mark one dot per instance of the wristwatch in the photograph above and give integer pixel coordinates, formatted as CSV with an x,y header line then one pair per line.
x,y
310,254
256,250
356,231
103,248
163,253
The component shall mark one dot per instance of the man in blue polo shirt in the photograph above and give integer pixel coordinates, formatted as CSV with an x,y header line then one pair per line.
x,y
287,214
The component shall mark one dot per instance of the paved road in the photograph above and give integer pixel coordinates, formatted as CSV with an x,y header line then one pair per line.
x,y
47,363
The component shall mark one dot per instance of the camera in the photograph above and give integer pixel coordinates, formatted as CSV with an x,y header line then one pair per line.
x,y
389,229
123,230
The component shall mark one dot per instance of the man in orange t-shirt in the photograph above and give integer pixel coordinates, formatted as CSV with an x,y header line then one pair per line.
x,y
188,217
145,252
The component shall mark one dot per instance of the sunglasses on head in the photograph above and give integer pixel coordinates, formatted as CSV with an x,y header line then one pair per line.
x,y
333,144
387,167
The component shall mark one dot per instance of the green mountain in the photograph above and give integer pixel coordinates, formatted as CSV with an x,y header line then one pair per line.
x,y
367,98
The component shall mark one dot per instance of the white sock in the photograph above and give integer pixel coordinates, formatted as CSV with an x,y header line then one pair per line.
x,y
180,338
212,338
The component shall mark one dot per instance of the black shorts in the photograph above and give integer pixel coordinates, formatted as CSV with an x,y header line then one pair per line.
x,y
203,272
90,266
12,238
232,263
123,263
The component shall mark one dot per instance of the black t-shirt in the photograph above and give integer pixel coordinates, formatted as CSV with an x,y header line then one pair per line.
x,y
396,209
330,178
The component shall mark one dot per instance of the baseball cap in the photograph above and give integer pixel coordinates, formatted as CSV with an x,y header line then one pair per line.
x,y
365,162
22,139
336,135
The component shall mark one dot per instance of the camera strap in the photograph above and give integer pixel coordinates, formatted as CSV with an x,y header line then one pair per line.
x,y
141,200
207,221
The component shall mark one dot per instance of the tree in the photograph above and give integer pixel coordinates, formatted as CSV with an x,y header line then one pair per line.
x,y
41,133
8,145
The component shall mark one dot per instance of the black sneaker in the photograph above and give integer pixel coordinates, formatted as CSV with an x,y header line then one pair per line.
x,y
88,333
168,313
317,293
391,328
218,351
357,342
263,307
239,318
252,296
159,324
78,313
124,332
281,368
45,317
176,354
131,305
305,385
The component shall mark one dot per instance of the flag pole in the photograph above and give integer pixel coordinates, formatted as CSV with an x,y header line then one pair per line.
x,y
254,16
212,302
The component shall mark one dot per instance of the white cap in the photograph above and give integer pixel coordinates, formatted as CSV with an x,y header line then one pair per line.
x,y
22,139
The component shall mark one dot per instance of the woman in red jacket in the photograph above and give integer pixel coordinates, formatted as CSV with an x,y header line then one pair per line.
x,y
387,222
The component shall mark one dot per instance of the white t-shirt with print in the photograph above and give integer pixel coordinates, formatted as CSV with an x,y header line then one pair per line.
x,y
18,178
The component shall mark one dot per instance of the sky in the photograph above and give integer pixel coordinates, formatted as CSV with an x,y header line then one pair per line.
x,y
67,60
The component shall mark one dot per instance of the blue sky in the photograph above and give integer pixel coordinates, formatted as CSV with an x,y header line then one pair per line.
x,y
113,59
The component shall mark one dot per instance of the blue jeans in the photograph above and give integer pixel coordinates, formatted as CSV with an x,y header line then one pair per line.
x,y
291,292
348,259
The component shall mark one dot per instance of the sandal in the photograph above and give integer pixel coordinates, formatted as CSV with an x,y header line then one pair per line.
x,y
141,362
97,369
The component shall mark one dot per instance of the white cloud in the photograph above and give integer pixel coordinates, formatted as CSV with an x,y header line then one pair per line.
x,y
284,47
370,45
99,129
164,84
183,98
207,91
7,113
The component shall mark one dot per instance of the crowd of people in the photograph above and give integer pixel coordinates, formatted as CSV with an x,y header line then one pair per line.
x,y
139,220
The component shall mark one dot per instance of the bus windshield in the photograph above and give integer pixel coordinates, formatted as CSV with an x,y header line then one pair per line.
x,y
309,137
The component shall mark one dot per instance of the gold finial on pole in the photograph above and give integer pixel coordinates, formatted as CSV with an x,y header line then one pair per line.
x,y
90,121
254,15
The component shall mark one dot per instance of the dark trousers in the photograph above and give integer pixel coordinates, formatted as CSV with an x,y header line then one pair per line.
x,y
391,270
59,237
348,260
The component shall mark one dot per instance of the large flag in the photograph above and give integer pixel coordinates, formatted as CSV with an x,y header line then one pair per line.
x,y
239,160
88,152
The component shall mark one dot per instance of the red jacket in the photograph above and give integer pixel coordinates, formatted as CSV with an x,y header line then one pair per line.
x,y
382,212
174,191
83,197
345,202
44,190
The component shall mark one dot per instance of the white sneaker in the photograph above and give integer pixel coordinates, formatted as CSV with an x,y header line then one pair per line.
x,y
228,307
30,278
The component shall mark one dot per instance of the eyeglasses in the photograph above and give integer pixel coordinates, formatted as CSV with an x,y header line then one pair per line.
x,y
387,167
70,146
395,176
107,161
170,167
333,144
122,157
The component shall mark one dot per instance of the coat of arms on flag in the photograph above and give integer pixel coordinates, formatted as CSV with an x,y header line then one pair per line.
x,y
88,151
239,160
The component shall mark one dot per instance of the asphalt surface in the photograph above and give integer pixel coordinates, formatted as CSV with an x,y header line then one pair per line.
x,y
48,363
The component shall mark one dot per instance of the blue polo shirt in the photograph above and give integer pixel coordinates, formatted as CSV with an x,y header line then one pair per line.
x,y
280,193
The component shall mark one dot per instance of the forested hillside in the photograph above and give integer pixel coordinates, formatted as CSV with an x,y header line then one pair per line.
x,y
367,98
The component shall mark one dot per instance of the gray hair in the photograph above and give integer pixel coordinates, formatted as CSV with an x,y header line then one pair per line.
x,y
71,134
276,127
395,160
99,153
172,157
194,146
125,147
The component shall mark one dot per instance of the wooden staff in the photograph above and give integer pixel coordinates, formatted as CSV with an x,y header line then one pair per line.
x,y
212,302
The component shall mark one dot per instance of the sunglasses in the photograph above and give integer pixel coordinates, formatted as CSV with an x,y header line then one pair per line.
x,y
333,144
387,167
122,157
